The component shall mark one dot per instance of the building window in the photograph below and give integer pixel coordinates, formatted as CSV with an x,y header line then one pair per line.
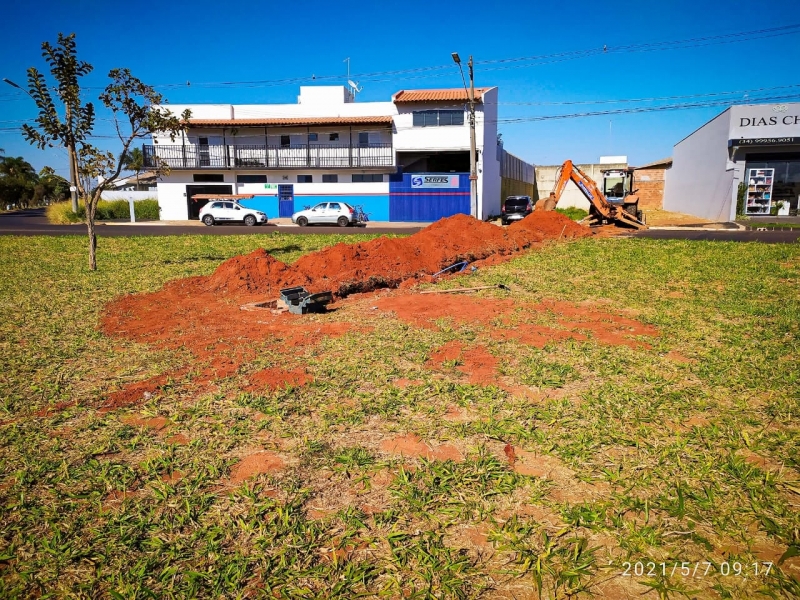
x,y
304,179
363,138
251,179
438,118
367,177
330,179
334,137
286,141
312,137
208,178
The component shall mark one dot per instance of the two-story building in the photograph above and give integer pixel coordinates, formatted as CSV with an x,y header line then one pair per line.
x,y
403,160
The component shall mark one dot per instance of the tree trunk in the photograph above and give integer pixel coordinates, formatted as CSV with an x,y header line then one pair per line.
x,y
91,206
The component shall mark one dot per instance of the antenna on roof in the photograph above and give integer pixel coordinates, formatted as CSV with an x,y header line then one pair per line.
x,y
354,86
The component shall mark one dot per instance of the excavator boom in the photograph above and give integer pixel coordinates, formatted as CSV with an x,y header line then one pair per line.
x,y
601,208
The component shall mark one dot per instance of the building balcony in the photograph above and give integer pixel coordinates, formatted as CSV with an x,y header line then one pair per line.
x,y
300,156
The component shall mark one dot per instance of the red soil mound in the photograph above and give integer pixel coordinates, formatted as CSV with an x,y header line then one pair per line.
x,y
385,262
199,314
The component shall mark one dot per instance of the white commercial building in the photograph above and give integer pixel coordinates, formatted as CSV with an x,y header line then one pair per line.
x,y
403,160
747,156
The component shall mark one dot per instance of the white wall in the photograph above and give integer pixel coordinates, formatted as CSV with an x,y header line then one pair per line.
x,y
172,188
129,195
408,138
701,181
489,158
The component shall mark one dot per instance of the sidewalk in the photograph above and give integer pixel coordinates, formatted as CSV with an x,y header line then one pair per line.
x,y
279,222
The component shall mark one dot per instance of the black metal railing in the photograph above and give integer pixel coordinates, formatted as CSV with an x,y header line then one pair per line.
x,y
319,156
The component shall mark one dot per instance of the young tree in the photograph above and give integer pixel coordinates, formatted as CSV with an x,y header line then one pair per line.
x,y
137,112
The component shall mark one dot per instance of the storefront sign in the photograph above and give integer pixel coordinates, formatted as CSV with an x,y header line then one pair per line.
x,y
774,141
434,181
763,121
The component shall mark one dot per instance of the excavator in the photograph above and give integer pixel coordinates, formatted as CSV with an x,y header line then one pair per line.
x,y
624,212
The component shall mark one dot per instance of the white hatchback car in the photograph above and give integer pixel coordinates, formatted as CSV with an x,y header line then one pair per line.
x,y
227,211
326,213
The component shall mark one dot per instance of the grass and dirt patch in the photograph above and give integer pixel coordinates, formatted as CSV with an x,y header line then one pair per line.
x,y
574,213
627,417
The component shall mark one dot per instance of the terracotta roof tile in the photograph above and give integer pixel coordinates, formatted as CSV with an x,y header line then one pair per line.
x,y
380,120
436,95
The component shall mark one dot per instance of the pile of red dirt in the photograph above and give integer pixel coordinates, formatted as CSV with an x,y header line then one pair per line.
x,y
195,313
385,262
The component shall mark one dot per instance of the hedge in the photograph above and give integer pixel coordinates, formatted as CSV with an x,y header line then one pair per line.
x,y
145,210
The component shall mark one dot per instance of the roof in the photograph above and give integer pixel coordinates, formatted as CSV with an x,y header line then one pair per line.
x,y
437,95
222,196
300,121
656,163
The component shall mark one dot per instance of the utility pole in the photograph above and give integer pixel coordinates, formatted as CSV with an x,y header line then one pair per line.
x,y
73,173
473,151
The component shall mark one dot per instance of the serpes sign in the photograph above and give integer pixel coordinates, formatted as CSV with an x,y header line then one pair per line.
x,y
434,181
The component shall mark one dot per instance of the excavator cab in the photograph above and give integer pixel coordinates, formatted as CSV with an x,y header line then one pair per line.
x,y
618,190
617,184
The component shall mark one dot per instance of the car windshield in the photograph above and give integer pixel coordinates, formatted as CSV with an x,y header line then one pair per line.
x,y
320,206
517,202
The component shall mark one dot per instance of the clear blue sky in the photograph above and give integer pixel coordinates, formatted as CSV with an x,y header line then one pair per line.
x,y
204,42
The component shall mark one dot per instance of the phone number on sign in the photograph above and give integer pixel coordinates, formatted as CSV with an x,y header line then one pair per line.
x,y
696,569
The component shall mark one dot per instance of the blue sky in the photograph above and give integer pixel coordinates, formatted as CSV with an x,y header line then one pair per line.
x,y
204,42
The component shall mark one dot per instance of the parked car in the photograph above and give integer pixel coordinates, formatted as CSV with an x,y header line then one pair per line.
x,y
516,208
229,212
326,213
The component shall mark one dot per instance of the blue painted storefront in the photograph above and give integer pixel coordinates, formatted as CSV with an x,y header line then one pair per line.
x,y
403,203
376,206
407,203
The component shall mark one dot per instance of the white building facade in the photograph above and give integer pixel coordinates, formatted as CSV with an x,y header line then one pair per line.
x,y
403,160
745,160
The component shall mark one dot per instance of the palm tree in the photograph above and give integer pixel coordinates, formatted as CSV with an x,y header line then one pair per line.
x,y
18,168
17,180
134,161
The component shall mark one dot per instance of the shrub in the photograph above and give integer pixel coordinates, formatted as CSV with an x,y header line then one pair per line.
x,y
61,212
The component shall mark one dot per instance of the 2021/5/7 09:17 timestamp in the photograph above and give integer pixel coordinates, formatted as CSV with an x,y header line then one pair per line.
x,y
696,569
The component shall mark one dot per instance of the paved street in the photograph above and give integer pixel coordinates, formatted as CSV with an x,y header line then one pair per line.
x,y
33,222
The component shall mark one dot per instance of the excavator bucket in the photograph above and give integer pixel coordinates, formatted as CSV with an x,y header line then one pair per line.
x,y
628,219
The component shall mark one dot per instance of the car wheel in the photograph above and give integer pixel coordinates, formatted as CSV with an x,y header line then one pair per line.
x,y
208,220
302,221
343,222
249,220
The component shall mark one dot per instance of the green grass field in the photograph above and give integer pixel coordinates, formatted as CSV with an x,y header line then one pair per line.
x,y
675,468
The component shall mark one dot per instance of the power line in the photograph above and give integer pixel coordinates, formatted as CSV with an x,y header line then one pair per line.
x,y
654,99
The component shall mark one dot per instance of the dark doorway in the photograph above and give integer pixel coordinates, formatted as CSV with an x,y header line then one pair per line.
x,y
196,205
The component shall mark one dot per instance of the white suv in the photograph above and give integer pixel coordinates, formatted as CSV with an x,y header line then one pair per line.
x,y
226,211
330,213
